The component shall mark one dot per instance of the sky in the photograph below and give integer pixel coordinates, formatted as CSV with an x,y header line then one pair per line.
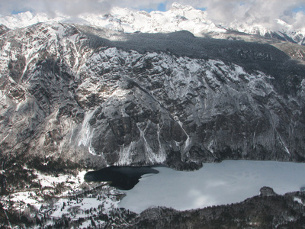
x,y
252,11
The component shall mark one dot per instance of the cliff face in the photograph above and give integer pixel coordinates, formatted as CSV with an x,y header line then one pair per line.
x,y
3,29
70,94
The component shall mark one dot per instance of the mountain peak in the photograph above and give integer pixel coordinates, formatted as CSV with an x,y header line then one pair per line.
x,y
178,17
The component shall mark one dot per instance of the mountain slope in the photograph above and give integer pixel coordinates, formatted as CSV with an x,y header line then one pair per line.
x,y
70,94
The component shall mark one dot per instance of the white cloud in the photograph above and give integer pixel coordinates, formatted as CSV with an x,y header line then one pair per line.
x,y
253,11
70,7
223,11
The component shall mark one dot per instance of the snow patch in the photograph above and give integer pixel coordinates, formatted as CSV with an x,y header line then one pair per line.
x,y
77,208
152,156
86,131
299,200
120,93
46,180
125,154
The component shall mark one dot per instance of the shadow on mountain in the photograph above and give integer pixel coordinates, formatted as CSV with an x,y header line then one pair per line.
x,y
251,56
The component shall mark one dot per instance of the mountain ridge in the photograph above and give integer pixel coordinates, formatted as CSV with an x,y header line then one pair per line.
x,y
147,98
76,97
178,17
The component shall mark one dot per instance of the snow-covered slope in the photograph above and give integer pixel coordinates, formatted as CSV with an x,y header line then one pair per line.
x,y
178,17
78,96
69,94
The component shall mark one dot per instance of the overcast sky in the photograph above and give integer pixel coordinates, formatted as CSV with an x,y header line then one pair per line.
x,y
260,11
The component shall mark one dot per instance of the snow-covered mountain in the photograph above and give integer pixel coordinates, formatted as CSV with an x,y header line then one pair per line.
x,y
178,17
138,88
69,93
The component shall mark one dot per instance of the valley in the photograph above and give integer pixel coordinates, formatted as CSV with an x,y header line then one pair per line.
x,y
177,104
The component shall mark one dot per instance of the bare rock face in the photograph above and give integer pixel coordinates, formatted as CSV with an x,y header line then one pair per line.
x,y
71,94
267,191
3,29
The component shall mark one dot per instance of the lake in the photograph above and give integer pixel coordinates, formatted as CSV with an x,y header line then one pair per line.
x,y
121,177
214,184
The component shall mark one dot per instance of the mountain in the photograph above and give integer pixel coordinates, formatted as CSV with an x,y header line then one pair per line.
x,y
3,29
264,211
138,88
80,96
178,17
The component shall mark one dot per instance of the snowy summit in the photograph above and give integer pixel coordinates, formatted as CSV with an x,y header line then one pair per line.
x,y
178,17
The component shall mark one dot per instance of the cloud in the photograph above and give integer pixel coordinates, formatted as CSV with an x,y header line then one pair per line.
x,y
222,11
68,7
253,11
72,7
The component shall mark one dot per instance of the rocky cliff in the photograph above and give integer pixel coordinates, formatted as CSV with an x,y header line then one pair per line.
x,y
76,96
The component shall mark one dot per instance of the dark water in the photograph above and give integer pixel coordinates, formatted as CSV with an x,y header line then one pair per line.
x,y
121,177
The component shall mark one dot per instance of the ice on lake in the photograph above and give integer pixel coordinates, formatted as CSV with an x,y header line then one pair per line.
x,y
214,184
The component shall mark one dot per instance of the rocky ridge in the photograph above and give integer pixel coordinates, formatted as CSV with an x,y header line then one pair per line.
x,y
70,92
76,96
263,211
274,211
178,17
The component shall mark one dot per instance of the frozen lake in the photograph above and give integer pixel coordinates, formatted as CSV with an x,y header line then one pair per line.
x,y
214,184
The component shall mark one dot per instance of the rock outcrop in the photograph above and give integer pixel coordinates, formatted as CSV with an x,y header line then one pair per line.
x,y
72,94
